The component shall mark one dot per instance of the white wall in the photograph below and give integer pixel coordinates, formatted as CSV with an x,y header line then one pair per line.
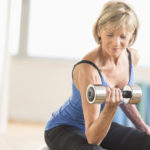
x,y
4,62
40,86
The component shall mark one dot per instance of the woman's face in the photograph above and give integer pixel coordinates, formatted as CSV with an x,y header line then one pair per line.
x,y
114,42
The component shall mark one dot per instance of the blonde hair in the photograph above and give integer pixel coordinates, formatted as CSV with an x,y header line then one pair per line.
x,y
114,15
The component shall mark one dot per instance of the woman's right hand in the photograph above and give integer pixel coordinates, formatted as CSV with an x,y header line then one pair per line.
x,y
113,97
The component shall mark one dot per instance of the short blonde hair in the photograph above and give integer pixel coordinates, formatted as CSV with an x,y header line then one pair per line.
x,y
116,14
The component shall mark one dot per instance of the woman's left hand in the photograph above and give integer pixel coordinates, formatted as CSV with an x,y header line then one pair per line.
x,y
146,129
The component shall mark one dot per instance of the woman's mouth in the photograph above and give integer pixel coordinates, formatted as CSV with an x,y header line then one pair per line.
x,y
115,49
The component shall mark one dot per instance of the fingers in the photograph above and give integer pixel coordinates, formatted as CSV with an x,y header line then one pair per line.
x,y
120,96
113,96
108,94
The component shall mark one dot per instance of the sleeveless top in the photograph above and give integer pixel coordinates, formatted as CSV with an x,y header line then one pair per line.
x,y
71,113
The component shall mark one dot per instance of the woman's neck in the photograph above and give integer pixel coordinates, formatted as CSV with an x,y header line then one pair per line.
x,y
107,59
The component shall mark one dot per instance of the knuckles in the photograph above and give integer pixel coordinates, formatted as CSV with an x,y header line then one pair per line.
x,y
113,96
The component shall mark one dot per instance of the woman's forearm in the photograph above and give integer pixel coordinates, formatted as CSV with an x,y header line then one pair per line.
x,y
132,113
98,130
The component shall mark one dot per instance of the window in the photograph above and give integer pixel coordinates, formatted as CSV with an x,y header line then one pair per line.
x,y
63,29
14,26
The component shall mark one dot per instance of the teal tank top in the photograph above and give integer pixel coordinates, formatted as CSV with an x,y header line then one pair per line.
x,y
71,113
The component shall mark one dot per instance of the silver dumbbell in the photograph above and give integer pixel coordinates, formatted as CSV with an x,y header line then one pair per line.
x,y
97,94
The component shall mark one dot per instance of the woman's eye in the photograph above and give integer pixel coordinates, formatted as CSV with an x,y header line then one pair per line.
x,y
110,35
123,37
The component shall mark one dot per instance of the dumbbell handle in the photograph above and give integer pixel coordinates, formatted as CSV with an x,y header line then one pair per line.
x,y
97,94
126,94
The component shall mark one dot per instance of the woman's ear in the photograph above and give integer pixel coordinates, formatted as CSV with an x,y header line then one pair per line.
x,y
131,39
99,33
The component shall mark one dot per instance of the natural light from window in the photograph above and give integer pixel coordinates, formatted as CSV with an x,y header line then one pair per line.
x,y
63,29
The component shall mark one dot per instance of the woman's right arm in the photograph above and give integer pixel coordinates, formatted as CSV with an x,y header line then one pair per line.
x,y
96,125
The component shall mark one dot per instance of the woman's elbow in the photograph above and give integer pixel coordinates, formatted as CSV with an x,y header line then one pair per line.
x,y
93,140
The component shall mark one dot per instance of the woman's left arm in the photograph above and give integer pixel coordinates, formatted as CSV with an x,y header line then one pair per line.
x,y
132,113
130,109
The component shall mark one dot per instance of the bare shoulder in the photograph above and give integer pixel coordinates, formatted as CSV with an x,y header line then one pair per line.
x,y
135,56
91,55
85,73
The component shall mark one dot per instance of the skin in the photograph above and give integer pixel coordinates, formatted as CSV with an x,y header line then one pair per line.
x,y
112,59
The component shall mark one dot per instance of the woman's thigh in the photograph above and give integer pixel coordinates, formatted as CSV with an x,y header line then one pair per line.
x,y
68,138
125,138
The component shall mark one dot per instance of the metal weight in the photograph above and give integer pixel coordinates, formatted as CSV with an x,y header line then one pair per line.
x,y
136,94
97,94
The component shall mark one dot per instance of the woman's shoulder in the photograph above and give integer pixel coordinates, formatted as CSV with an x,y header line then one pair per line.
x,y
90,56
85,70
135,56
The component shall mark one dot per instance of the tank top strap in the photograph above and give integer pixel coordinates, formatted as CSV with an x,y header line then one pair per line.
x,y
130,58
88,62
131,80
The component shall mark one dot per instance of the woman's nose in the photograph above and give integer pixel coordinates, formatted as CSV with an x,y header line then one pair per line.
x,y
116,41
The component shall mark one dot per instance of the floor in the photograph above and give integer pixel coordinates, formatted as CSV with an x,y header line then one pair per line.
x,y
22,136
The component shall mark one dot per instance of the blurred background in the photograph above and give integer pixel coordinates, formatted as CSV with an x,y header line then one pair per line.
x,y
40,41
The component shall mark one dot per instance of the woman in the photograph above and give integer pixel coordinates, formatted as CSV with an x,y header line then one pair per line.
x,y
78,125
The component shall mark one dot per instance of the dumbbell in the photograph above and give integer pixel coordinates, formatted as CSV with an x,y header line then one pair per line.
x,y
97,94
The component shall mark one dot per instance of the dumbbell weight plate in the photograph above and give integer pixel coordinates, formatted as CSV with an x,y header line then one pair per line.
x,y
136,94
96,93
